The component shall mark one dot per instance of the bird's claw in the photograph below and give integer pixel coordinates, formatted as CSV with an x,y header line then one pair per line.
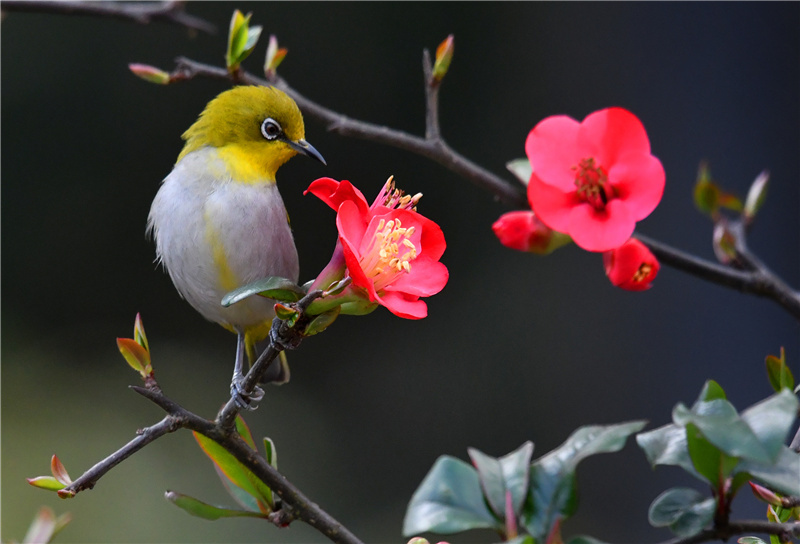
x,y
244,400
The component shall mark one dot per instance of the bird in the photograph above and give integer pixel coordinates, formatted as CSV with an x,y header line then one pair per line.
x,y
218,220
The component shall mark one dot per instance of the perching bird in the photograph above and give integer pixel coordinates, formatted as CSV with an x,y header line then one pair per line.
x,y
218,219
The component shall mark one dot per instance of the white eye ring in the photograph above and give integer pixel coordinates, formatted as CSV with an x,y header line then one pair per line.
x,y
270,128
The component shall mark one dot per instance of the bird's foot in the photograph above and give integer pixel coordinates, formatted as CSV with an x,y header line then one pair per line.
x,y
243,399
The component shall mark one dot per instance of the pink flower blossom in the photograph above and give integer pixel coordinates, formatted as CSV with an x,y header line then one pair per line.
x,y
595,179
391,252
631,266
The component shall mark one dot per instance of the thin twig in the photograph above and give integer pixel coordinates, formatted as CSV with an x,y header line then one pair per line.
x,y
139,12
145,436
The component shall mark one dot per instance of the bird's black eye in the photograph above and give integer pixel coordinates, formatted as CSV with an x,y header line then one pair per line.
x,y
270,128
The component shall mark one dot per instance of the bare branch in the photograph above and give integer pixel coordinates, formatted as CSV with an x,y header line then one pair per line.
x,y
139,12
145,436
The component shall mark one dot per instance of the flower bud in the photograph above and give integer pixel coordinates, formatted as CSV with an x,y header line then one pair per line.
x,y
523,231
631,266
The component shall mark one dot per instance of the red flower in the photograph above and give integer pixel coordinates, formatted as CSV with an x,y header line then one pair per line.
x,y
523,231
593,180
631,266
391,252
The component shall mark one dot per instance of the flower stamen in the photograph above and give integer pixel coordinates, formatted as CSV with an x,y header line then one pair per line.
x,y
592,182
383,262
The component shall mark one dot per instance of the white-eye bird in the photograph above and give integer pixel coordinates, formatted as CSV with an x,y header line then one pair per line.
x,y
218,220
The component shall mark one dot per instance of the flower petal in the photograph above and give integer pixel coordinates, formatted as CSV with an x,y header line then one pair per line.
x,y
352,227
552,147
334,193
639,182
613,131
601,231
427,277
550,204
403,305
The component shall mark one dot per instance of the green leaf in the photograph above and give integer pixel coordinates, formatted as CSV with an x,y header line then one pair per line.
x,y
685,511
667,446
552,487
448,500
756,195
244,431
273,287
46,482
782,475
521,168
206,511
137,357
718,421
322,321
237,473
730,201
771,420
706,192
778,372
271,453
711,391
708,460
509,473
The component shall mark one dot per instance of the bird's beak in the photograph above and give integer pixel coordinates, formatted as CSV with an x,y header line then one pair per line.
x,y
302,146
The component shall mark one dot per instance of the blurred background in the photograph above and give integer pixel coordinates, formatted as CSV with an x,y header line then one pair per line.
x,y
517,347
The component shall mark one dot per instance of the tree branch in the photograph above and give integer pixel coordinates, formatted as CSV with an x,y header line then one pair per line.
x,y
760,281
139,12
295,504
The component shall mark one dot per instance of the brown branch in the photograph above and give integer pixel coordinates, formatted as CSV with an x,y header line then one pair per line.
x,y
139,12
759,281
295,504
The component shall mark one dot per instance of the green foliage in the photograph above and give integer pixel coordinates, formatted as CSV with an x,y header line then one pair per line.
x,y
456,497
242,40
521,168
448,500
252,494
716,444
683,510
273,287
780,377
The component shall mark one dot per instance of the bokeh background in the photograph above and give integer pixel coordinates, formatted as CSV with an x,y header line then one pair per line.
x,y
516,347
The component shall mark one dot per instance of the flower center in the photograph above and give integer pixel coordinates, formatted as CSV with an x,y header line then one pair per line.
x,y
390,253
592,183
642,273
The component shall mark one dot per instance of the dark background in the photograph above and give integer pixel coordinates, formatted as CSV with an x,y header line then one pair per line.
x,y
516,347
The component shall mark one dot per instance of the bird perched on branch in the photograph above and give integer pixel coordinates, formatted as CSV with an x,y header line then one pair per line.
x,y
218,220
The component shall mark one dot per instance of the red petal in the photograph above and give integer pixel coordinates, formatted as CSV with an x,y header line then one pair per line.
x,y
427,277
351,233
639,181
613,131
404,306
601,231
334,193
551,205
553,149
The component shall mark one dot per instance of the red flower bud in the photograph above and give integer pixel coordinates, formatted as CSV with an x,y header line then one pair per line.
x,y
631,266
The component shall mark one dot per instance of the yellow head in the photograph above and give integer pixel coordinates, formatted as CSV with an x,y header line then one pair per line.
x,y
255,129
